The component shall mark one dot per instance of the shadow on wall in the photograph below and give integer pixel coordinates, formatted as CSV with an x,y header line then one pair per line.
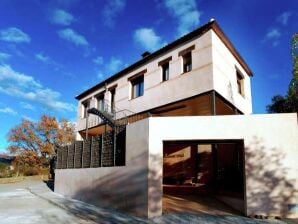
x,y
50,184
155,186
270,189
122,188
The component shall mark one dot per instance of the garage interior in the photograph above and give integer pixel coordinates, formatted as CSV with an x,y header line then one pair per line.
x,y
203,177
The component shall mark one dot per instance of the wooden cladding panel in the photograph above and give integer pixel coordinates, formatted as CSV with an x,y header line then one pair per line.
x,y
70,160
200,105
223,108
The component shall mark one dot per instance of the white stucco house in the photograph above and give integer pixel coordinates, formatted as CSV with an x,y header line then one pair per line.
x,y
189,128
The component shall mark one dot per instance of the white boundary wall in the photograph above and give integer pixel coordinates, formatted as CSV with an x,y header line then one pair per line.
x,y
271,163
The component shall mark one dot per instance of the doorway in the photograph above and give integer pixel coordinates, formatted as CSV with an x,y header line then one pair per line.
x,y
203,176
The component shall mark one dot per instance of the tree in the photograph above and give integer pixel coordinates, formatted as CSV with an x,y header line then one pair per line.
x,y
289,103
34,142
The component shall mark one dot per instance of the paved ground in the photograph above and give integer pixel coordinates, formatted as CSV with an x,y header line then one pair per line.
x,y
203,204
31,201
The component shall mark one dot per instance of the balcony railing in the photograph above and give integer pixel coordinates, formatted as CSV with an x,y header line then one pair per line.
x,y
111,115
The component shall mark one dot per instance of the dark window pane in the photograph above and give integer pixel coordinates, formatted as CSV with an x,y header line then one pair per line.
x,y
165,72
138,87
187,62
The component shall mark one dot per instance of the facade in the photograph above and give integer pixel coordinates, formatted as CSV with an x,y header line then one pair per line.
x,y
198,74
162,133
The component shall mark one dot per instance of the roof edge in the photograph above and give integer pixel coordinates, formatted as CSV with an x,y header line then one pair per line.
x,y
216,28
199,31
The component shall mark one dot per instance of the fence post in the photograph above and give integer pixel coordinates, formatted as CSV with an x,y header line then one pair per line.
x,y
91,150
62,163
74,156
67,157
114,146
101,149
82,154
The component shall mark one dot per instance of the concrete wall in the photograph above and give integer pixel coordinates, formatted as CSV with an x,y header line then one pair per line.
x,y
124,188
271,152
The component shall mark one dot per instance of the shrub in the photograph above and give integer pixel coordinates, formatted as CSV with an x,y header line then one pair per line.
x,y
30,171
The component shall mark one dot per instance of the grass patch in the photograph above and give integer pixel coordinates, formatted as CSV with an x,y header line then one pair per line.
x,y
9,180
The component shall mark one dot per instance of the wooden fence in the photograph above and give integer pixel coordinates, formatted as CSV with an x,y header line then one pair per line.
x,y
102,151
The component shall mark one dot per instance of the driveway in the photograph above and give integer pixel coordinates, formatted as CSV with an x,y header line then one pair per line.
x,y
32,201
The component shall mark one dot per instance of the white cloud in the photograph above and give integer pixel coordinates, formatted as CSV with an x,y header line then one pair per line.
x,y
186,12
27,106
42,57
73,37
100,75
98,60
26,87
148,39
8,110
4,57
114,65
47,60
111,10
273,36
14,35
61,17
6,73
284,18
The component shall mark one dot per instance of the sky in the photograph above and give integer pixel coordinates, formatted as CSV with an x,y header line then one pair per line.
x,y
51,51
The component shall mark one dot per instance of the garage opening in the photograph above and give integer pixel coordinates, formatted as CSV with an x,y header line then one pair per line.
x,y
203,177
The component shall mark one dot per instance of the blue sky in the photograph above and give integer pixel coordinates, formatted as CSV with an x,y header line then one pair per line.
x,y
50,51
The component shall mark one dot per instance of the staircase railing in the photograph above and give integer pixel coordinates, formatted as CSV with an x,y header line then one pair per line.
x,y
107,113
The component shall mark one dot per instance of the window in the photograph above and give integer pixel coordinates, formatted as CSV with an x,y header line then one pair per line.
x,y
137,85
165,71
100,102
186,58
113,92
187,62
165,68
85,107
240,82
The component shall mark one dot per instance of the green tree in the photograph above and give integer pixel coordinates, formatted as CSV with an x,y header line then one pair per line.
x,y
34,142
289,103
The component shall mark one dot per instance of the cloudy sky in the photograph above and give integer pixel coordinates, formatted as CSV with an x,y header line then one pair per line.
x,y
50,51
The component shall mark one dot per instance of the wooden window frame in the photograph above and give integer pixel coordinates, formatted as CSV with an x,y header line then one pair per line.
x,y
137,82
185,53
240,82
165,63
132,79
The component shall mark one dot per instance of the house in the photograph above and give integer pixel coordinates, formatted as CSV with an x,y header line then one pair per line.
x,y
198,74
159,127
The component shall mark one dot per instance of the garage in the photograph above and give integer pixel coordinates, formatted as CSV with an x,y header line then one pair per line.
x,y
203,176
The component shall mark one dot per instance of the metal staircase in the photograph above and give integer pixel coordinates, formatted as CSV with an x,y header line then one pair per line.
x,y
104,115
110,115
112,141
